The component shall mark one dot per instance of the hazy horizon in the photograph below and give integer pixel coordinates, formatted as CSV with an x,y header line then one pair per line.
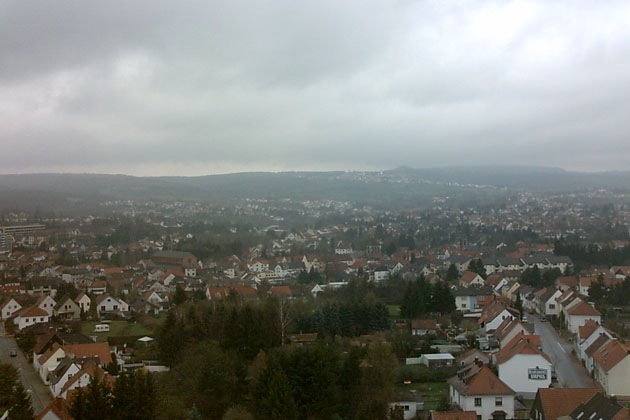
x,y
150,88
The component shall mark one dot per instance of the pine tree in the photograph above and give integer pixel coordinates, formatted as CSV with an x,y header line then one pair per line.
x,y
21,408
452,274
180,295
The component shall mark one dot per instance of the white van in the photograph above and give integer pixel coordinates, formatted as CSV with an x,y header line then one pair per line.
x,y
101,328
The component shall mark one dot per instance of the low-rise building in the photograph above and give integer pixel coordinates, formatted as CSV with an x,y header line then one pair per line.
x,y
484,393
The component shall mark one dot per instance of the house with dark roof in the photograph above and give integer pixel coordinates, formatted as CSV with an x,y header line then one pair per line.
x,y
495,313
484,393
600,407
423,326
587,334
592,349
552,403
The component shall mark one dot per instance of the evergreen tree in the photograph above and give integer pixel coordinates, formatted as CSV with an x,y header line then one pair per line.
x,y
452,273
180,295
21,408
274,396
518,305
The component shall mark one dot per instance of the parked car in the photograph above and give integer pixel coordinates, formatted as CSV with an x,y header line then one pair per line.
x,y
13,353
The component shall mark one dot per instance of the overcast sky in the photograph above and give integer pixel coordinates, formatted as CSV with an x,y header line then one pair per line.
x,y
187,88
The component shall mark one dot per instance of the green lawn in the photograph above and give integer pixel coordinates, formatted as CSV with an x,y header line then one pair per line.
x,y
116,329
152,322
431,392
394,311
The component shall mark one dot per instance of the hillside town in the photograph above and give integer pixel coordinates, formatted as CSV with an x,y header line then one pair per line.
x,y
514,311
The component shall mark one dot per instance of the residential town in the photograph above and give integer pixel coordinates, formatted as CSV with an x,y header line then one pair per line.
x,y
513,311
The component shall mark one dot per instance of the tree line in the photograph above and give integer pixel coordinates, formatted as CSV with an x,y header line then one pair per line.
x,y
422,297
132,397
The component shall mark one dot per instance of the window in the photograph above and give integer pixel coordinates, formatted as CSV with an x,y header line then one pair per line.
x,y
552,306
498,401
41,319
477,402
463,305
478,417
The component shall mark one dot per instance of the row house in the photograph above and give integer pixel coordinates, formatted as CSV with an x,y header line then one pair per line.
x,y
555,403
612,368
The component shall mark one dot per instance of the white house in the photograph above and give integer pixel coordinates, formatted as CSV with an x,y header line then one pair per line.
x,y
494,314
46,303
523,366
508,330
30,316
62,375
612,368
84,302
550,308
49,361
484,394
470,278
587,334
106,303
579,314
423,326
9,308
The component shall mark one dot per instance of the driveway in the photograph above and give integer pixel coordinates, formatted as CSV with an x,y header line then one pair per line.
x,y
40,394
571,373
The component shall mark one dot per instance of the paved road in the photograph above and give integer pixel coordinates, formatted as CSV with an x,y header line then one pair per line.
x,y
571,373
40,394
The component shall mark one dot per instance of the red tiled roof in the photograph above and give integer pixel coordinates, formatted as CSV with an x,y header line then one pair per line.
x,y
583,308
521,344
423,324
558,402
609,355
486,383
32,311
468,276
101,350
59,407
454,415
589,327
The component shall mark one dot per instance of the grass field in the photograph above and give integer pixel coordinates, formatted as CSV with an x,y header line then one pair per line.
x,y
431,392
116,329
394,311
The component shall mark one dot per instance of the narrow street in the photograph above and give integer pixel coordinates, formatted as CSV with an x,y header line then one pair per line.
x,y
40,394
571,373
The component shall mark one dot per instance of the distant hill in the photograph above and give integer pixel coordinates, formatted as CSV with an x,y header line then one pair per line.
x,y
402,187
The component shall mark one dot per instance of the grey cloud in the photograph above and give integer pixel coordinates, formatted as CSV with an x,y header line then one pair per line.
x,y
148,86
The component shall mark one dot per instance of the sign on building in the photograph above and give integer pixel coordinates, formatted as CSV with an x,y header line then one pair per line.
x,y
537,374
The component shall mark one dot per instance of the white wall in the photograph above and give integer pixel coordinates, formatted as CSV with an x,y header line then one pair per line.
x,y
492,325
617,381
467,403
514,373
576,321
